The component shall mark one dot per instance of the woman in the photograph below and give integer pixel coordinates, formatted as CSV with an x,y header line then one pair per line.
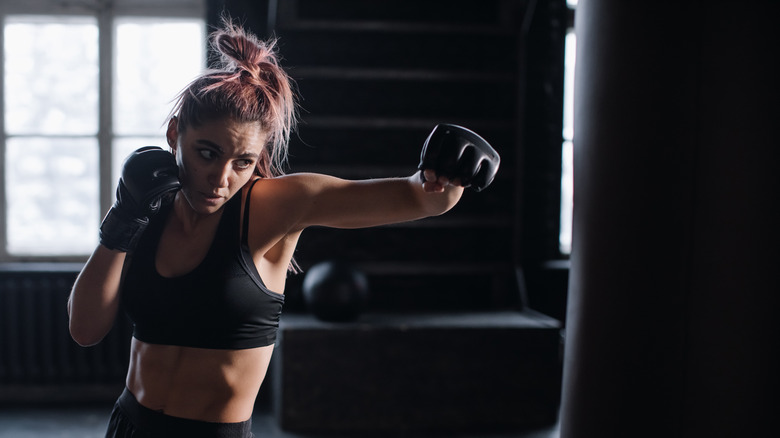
x,y
200,241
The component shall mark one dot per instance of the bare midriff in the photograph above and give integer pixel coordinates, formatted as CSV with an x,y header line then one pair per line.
x,y
197,383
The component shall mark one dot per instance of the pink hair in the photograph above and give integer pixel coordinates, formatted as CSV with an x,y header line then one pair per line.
x,y
248,85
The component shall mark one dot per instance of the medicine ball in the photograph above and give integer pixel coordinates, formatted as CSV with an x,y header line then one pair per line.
x,y
335,291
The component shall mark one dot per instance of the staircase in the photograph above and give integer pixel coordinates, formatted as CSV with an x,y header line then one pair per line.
x,y
375,77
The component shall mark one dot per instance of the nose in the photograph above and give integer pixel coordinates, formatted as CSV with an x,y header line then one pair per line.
x,y
219,177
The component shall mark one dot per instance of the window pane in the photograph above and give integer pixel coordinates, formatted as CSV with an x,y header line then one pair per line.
x,y
51,75
567,197
567,165
568,86
155,59
51,195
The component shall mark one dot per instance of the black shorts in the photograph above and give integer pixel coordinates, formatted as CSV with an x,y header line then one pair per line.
x,y
130,419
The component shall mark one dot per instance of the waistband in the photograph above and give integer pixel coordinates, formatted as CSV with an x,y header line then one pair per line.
x,y
166,425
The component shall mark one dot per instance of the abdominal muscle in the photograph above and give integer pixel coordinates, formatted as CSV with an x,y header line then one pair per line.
x,y
197,383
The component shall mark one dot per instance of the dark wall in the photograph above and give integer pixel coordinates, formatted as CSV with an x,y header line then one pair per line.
x,y
546,269
375,80
253,14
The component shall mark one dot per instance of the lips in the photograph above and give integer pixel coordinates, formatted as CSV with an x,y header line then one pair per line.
x,y
211,198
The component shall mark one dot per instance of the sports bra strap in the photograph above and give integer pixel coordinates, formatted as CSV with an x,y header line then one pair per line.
x,y
245,224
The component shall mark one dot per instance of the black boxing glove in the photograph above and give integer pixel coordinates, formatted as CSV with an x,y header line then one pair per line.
x,y
458,153
150,180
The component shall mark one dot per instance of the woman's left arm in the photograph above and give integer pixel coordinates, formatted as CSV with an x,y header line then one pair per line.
x,y
324,200
450,151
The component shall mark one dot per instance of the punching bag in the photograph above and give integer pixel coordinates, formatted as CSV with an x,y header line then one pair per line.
x,y
672,325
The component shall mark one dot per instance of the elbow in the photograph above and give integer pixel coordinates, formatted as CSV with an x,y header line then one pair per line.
x,y
83,331
85,336
78,332
88,323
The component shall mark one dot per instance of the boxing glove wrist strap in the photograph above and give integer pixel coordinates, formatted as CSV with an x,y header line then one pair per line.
x,y
120,232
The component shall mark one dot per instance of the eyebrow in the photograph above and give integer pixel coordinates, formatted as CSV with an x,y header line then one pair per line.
x,y
222,151
210,143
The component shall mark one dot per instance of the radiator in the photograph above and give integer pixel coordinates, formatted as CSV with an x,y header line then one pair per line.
x,y
36,349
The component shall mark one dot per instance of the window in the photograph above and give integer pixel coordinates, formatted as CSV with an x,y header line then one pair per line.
x,y
567,152
83,84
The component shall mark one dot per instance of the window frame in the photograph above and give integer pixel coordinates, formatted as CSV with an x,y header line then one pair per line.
x,y
105,12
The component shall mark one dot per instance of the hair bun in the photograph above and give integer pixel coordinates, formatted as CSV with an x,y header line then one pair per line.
x,y
239,50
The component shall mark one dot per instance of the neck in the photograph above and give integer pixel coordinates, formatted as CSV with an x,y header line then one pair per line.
x,y
190,221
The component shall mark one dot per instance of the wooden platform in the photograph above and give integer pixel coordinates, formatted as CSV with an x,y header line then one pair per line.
x,y
433,372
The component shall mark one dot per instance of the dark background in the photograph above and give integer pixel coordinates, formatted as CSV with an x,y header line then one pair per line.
x,y
374,78
670,315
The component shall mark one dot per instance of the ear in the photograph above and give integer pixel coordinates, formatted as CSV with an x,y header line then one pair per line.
x,y
172,134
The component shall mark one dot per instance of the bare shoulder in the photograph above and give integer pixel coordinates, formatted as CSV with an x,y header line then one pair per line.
x,y
274,226
282,201
292,185
293,191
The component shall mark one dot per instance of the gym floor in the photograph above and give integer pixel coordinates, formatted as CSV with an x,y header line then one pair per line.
x,y
90,422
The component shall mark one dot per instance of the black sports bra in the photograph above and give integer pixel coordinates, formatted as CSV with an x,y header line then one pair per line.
x,y
221,304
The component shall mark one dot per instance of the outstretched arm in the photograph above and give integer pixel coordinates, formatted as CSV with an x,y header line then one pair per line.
x,y
452,157
316,199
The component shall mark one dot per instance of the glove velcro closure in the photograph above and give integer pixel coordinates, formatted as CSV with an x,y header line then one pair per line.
x,y
120,232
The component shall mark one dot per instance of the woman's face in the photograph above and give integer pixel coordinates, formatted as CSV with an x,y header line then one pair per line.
x,y
215,160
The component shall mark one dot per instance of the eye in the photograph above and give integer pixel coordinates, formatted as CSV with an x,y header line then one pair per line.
x,y
207,154
244,164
